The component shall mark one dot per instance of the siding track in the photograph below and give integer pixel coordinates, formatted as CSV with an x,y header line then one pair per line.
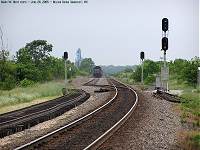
x,y
21,119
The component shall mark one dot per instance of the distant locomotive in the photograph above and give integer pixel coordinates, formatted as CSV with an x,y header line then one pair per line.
x,y
97,72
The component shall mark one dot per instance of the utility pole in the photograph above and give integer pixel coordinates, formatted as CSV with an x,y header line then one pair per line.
x,y
165,69
142,74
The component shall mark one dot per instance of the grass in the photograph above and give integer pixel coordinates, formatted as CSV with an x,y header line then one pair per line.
x,y
191,102
28,94
9,108
189,140
190,114
190,111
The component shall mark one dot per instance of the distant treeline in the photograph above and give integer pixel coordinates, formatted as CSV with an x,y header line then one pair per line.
x,y
110,70
180,69
33,63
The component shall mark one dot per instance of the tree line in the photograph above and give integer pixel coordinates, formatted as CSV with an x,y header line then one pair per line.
x,y
34,63
180,69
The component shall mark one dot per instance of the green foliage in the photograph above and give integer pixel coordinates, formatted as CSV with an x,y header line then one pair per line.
x,y
191,102
150,68
182,72
29,72
35,64
185,71
26,83
87,65
7,75
113,70
150,79
27,94
35,52
196,140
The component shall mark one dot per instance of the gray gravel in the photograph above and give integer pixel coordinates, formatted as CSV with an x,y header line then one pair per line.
x,y
152,126
95,100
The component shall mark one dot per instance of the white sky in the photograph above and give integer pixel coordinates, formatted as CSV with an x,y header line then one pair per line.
x,y
109,31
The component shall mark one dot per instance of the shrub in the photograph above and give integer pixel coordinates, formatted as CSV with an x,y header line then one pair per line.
x,y
26,83
8,83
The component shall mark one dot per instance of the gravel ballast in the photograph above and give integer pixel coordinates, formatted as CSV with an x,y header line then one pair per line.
x,y
152,126
95,101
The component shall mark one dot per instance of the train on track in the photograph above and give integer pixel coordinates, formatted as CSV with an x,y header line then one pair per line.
x,y
97,72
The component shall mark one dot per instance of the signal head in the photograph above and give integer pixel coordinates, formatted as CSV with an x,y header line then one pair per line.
x,y
165,24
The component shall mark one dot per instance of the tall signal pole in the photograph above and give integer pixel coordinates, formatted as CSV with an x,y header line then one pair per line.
x,y
165,69
142,74
65,58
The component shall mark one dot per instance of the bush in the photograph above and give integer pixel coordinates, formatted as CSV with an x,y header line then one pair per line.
x,y
150,79
26,83
8,83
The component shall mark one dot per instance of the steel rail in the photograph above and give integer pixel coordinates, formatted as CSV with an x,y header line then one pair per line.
x,y
95,80
70,124
95,144
43,111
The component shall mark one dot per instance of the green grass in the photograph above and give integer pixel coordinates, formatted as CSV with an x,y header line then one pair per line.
x,y
196,140
189,140
175,85
28,94
191,102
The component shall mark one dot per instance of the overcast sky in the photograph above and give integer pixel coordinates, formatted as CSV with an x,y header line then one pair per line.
x,y
109,31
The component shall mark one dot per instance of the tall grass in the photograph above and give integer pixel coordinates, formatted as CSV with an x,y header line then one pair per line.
x,y
22,95
191,102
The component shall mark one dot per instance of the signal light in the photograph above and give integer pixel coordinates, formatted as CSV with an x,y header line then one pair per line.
x,y
65,55
142,55
165,24
164,43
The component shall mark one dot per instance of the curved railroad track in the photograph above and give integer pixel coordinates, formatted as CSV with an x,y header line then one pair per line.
x,y
91,130
21,119
167,96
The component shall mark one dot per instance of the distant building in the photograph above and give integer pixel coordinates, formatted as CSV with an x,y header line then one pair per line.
x,y
78,58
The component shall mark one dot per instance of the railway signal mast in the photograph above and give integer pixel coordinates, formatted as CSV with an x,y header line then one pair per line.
x,y
65,58
142,59
165,69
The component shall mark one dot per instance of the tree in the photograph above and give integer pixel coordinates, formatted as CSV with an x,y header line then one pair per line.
x,y
87,65
35,55
36,52
150,68
190,71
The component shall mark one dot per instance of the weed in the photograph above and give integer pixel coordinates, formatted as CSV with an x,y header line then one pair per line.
x,y
27,94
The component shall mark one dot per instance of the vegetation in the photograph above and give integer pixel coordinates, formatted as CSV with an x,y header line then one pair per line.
x,y
183,76
110,70
182,71
34,64
27,94
189,140
34,73
86,65
134,75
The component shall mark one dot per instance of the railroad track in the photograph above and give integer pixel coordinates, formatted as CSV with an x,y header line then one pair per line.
x,y
91,130
21,119
167,96
91,82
